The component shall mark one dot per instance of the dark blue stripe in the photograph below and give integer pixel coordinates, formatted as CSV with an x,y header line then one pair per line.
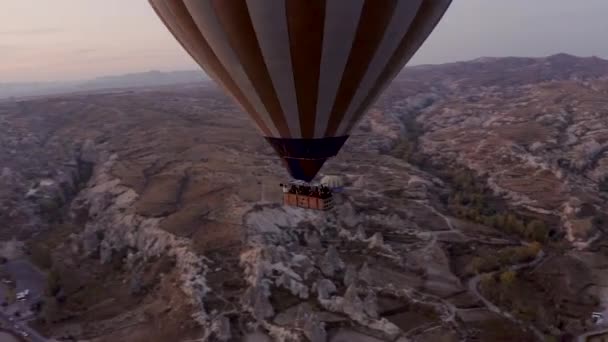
x,y
303,158
307,148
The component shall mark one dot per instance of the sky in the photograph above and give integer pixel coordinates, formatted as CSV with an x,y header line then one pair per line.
x,y
60,40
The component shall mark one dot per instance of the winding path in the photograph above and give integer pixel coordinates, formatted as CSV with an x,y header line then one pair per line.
x,y
473,286
584,336
17,327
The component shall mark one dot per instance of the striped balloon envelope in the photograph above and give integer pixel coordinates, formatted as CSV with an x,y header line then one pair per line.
x,y
305,70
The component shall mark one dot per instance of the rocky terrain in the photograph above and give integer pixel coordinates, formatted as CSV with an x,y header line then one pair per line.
x,y
540,133
474,209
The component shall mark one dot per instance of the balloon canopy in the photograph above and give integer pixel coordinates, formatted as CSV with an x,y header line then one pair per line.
x,y
305,70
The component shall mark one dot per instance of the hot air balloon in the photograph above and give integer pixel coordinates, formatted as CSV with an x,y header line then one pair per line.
x,y
305,70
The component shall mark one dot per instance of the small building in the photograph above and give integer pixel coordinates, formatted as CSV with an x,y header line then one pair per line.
x,y
597,317
23,294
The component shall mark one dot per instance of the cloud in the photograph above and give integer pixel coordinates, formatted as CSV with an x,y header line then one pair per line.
x,y
37,31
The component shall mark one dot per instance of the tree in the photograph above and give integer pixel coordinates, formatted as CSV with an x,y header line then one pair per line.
x,y
489,221
487,278
477,201
486,282
549,338
53,283
483,264
535,247
501,221
514,225
10,294
50,208
476,265
404,150
456,199
50,311
525,253
507,278
537,230
464,180
41,256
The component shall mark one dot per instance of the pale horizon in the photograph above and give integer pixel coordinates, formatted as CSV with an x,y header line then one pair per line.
x,y
68,40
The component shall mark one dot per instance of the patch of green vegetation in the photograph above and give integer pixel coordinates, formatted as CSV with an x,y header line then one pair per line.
x,y
504,257
50,312
507,278
550,338
403,150
10,296
40,249
41,256
51,209
471,200
49,205
53,283
407,148
512,292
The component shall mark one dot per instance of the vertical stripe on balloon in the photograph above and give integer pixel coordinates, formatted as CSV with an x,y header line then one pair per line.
x,y
235,19
404,14
374,19
340,27
429,14
179,21
305,19
209,26
271,28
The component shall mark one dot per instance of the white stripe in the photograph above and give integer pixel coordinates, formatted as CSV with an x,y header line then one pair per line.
x,y
341,23
400,22
270,25
439,8
206,20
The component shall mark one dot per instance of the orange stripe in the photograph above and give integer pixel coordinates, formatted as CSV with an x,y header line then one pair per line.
x,y
201,49
235,19
421,21
375,16
306,21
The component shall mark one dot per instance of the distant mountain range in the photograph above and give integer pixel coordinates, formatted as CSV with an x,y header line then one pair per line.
x,y
144,79
488,71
